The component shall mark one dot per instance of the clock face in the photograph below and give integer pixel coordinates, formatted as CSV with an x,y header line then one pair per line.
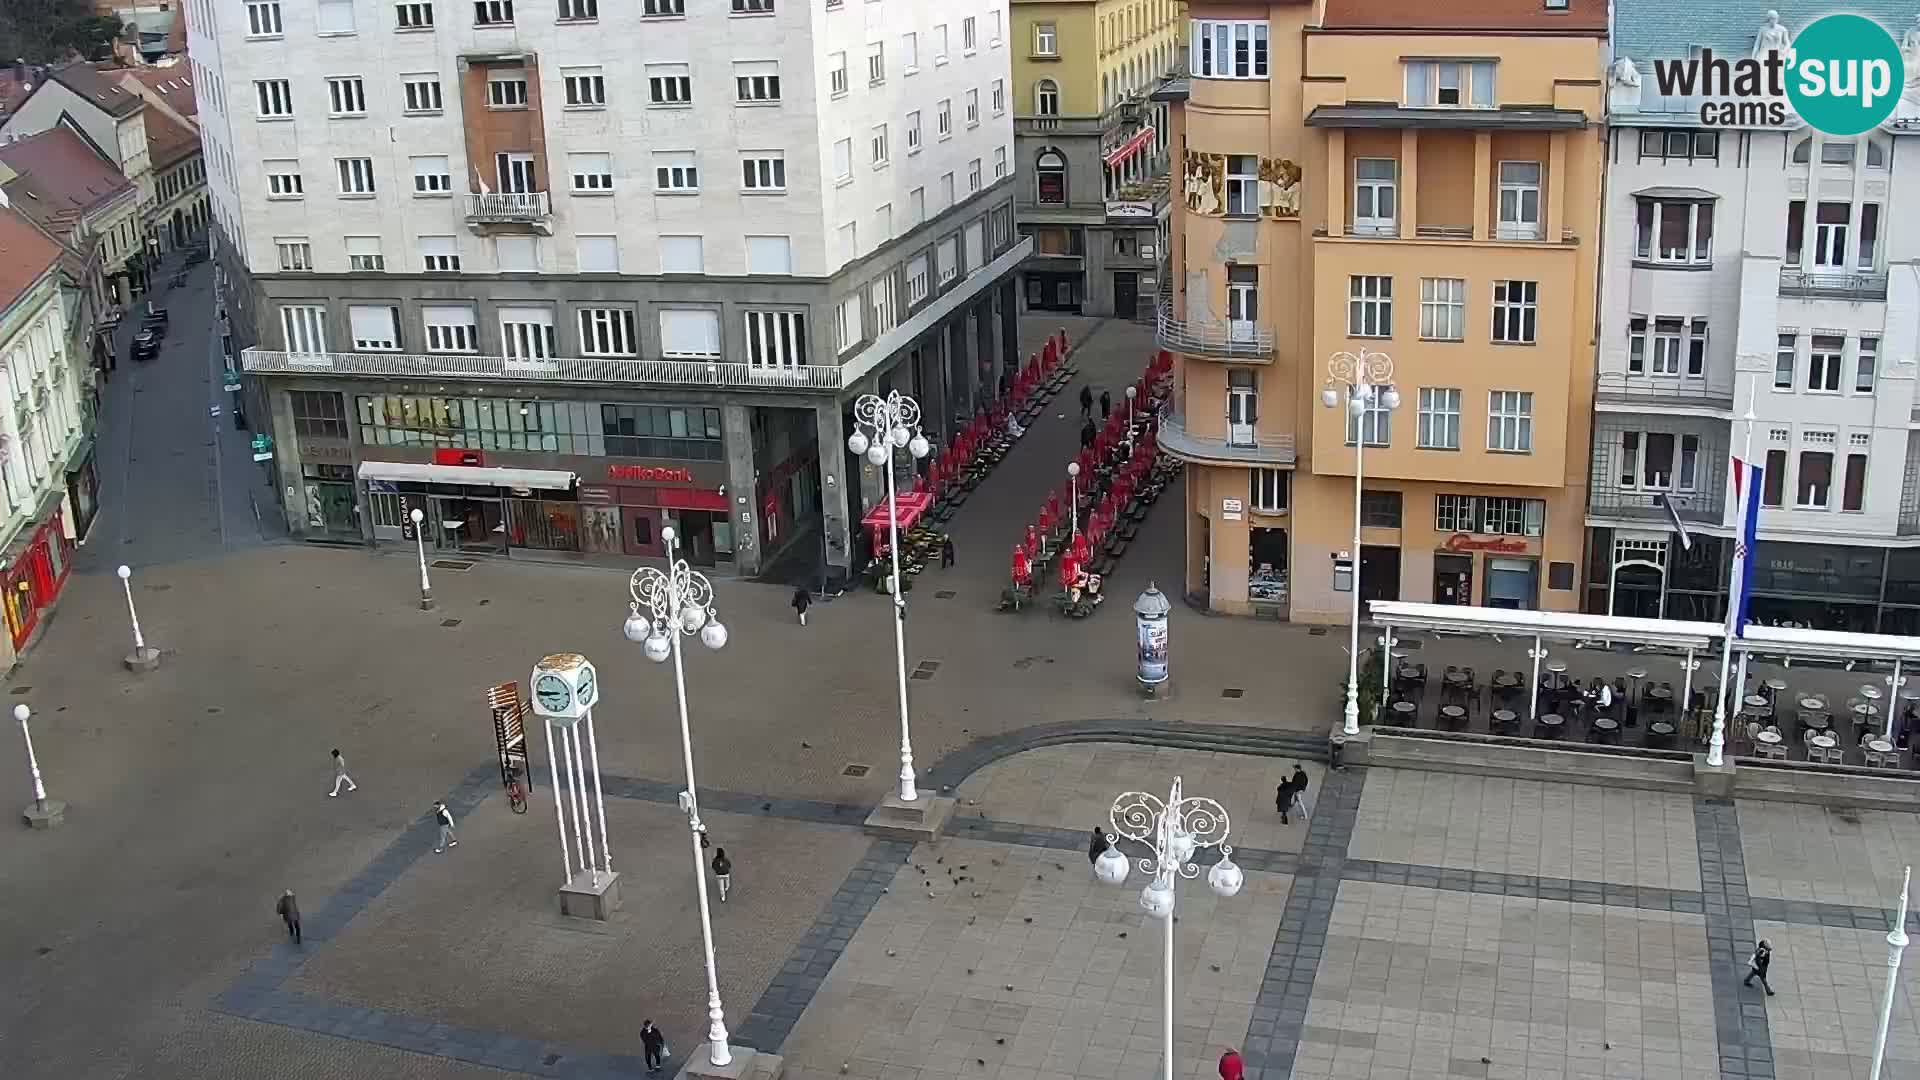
x,y
589,687
551,694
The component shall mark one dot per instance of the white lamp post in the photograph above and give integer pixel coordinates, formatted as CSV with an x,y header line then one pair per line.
x,y
1073,487
1172,830
1368,379
881,426
1131,391
1896,945
419,517
679,600
142,658
45,813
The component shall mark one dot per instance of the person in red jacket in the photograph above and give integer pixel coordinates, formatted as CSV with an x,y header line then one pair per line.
x,y
1231,1067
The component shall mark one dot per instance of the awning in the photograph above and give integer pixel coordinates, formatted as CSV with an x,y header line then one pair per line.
x,y
1692,194
414,472
912,505
1131,147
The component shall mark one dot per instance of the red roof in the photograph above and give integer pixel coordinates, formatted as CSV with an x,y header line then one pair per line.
x,y
167,140
58,168
172,84
1523,16
25,255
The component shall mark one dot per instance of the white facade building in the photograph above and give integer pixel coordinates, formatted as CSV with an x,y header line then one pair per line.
x,y
721,202
1763,271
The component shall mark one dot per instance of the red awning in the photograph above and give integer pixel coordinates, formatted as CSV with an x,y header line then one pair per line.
x,y
912,505
1131,147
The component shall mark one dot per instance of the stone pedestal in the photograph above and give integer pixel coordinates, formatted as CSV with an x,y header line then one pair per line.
x,y
426,601
142,659
587,898
1713,782
919,821
48,815
747,1064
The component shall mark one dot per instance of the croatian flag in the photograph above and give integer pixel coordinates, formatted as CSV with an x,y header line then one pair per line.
x,y
1746,494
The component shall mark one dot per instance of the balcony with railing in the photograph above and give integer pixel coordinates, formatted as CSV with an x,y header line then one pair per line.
x,y
1834,286
584,370
490,209
1245,448
1130,111
1639,469
1245,341
1617,391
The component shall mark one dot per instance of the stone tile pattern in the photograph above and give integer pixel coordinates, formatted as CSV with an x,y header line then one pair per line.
x,y
1740,1021
1827,1010
1806,852
1528,828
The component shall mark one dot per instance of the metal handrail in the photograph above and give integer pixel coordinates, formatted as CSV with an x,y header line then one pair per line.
x,y
1251,340
1268,448
710,373
1713,391
509,205
1867,286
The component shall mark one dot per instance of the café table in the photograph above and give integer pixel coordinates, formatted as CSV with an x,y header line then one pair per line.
x,y
1865,711
1755,701
1660,694
1818,721
1870,692
1813,704
1880,746
1605,728
1453,716
1776,684
1404,714
1550,725
1407,673
1504,718
1823,747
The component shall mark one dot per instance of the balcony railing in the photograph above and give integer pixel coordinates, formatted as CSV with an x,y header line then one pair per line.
x,y
702,373
509,207
1837,286
1266,449
1696,507
1124,112
1234,338
1654,392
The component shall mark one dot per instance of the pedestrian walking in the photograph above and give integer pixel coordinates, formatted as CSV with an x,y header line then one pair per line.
x,y
340,776
655,1044
722,872
1231,1066
1757,966
1283,798
1086,402
946,551
289,911
444,818
802,600
1106,405
1298,781
1098,846
1087,434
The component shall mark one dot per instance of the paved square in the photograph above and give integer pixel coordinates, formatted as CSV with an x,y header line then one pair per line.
x,y
1826,1009
1800,851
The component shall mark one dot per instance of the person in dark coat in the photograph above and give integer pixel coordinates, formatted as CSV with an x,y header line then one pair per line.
x,y
802,600
1097,846
289,911
1106,405
946,551
1283,798
654,1043
722,872
1087,434
1757,966
1086,402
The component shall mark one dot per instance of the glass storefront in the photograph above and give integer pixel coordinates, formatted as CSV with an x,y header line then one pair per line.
x,y
330,503
543,524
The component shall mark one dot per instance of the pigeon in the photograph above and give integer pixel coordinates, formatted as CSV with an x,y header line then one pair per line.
x,y
1027,919
1215,967
806,746
1000,1041
1123,933
890,952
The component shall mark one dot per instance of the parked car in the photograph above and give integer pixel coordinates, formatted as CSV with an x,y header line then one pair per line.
x,y
146,343
155,318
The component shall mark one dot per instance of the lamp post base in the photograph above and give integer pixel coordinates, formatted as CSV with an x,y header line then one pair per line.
x,y
919,821
747,1064
47,815
143,659
426,600
591,896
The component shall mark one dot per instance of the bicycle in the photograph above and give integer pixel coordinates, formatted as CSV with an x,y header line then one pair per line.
x,y
516,794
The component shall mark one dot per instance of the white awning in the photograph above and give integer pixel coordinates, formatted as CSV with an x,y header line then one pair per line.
x,y
527,479
1553,625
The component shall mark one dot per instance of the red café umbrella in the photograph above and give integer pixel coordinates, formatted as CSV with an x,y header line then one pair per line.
x,y
1069,568
1033,540
1081,548
1046,521
1022,570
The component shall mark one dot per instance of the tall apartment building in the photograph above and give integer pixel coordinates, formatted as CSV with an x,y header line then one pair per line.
x,y
1093,148
561,274
1762,269
1408,180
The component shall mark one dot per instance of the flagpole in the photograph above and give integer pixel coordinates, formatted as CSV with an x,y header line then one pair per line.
x,y
1735,575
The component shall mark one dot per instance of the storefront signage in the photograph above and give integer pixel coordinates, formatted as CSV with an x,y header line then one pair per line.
x,y
329,452
1467,542
651,474
1130,208
1230,509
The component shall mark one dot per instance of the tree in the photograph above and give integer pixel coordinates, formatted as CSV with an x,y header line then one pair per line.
x,y
49,31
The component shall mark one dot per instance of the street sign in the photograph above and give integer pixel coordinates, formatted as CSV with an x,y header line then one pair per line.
x,y
231,384
213,410
262,443
266,455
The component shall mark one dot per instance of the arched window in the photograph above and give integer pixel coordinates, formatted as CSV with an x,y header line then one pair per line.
x,y
1046,98
1802,151
1106,89
1876,155
1050,177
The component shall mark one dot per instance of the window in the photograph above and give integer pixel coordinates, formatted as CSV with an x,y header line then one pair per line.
x,y
420,93
346,96
1439,418
1796,228
661,9
660,431
880,294
317,414
450,329
1783,361
607,332
1510,421
939,44
776,339
507,89
1679,145
1668,335
1823,364
356,175
375,328
1815,480
414,15
1496,515
753,7
527,333
1869,231
1443,309
586,88
837,74
1514,311
1866,355
1046,39
973,175
1374,196
675,172
1369,305
999,96
1697,348
430,175
1380,509
1375,421
305,327
1243,302
999,163
592,173
273,98
334,16
439,254
1050,177
1243,185
669,84
283,180
689,332
579,10
973,108
521,254
1046,98
969,35
764,171
1243,406
1830,236
848,241
846,324
683,255
993,29
493,12
363,254
909,53
769,255
876,64
1853,491
263,18
1519,200
943,118
913,132
917,287
1450,84
756,81
947,258
843,161
1228,49
916,206
296,253
1269,491
1774,483
878,146
1674,232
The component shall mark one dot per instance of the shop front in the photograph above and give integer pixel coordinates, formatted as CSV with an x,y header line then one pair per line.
x,y
36,566
328,495
83,492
